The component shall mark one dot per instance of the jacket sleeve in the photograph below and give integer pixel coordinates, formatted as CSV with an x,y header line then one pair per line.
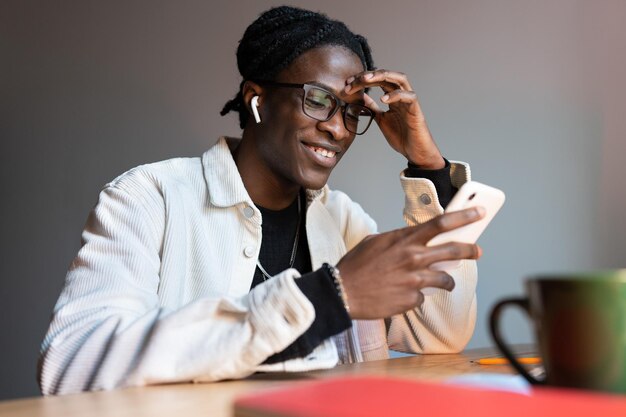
x,y
446,320
109,329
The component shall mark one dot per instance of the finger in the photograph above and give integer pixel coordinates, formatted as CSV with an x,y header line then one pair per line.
x,y
434,279
385,76
387,80
371,104
422,233
448,221
399,96
450,251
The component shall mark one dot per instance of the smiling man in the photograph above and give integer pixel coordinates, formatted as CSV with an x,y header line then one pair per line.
x,y
244,260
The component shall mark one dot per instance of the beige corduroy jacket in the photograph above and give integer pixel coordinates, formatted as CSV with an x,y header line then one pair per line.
x,y
160,290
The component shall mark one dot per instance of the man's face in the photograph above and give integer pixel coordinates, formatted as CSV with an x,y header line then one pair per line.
x,y
297,149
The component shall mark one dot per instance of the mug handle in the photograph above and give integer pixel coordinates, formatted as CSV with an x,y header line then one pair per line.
x,y
494,321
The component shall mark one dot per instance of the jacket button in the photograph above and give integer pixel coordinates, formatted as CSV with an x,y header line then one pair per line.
x,y
425,199
249,251
248,212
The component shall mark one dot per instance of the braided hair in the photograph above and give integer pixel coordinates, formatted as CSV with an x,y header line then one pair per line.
x,y
278,36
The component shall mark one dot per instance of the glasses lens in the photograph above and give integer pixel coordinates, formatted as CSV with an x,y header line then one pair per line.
x,y
319,104
357,118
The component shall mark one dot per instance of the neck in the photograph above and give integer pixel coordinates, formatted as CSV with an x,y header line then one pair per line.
x,y
266,188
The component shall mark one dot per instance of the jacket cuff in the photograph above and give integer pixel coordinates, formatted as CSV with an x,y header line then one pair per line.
x,y
281,313
422,200
439,177
331,317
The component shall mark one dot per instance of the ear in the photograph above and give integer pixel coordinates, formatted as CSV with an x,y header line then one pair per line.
x,y
255,109
249,90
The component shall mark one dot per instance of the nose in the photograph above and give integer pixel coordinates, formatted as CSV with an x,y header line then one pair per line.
x,y
335,126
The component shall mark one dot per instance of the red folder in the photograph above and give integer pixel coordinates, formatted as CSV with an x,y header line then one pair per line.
x,y
377,396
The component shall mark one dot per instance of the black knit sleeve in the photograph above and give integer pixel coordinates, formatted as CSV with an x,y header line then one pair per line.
x,y
331,317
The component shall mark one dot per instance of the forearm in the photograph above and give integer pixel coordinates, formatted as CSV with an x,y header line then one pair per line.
x,y
116,323
331,317
209,339
446,320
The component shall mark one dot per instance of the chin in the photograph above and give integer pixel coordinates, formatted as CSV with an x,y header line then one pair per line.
x,y
314,181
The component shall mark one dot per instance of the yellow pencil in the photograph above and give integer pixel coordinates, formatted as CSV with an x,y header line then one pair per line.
x,y
505,361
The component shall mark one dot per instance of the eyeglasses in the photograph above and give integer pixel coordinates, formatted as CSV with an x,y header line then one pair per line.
x,y
321,104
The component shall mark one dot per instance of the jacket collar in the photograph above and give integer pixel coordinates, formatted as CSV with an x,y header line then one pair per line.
x,y
222,177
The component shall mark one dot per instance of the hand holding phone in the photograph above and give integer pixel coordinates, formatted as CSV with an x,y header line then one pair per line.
x,y
471,194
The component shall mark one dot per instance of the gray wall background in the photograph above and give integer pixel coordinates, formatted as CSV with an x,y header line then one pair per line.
x,y
530,93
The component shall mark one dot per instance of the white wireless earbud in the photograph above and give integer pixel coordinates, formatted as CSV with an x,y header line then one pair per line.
x,y
255,104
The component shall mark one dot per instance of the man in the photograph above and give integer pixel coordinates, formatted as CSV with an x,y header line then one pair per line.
x,y
244,260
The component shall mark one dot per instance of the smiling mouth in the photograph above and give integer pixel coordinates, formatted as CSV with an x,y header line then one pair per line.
x,y
321,151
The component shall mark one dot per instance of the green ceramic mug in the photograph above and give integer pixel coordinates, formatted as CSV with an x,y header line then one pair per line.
x,y
580,325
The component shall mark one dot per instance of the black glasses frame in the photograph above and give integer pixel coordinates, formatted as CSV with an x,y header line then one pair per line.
x,y
340,103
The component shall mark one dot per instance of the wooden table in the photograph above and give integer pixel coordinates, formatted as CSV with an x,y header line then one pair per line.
x,y
215,399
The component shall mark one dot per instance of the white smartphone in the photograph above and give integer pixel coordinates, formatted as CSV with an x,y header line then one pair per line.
x,y
471,194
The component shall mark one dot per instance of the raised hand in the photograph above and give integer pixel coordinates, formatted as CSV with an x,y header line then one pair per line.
x,y
403,125
384,274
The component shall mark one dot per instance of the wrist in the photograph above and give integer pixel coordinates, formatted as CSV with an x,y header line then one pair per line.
x,y
338,281
430,164
415,167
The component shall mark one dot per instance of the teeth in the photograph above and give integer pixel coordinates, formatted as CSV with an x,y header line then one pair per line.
x,y
324,152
